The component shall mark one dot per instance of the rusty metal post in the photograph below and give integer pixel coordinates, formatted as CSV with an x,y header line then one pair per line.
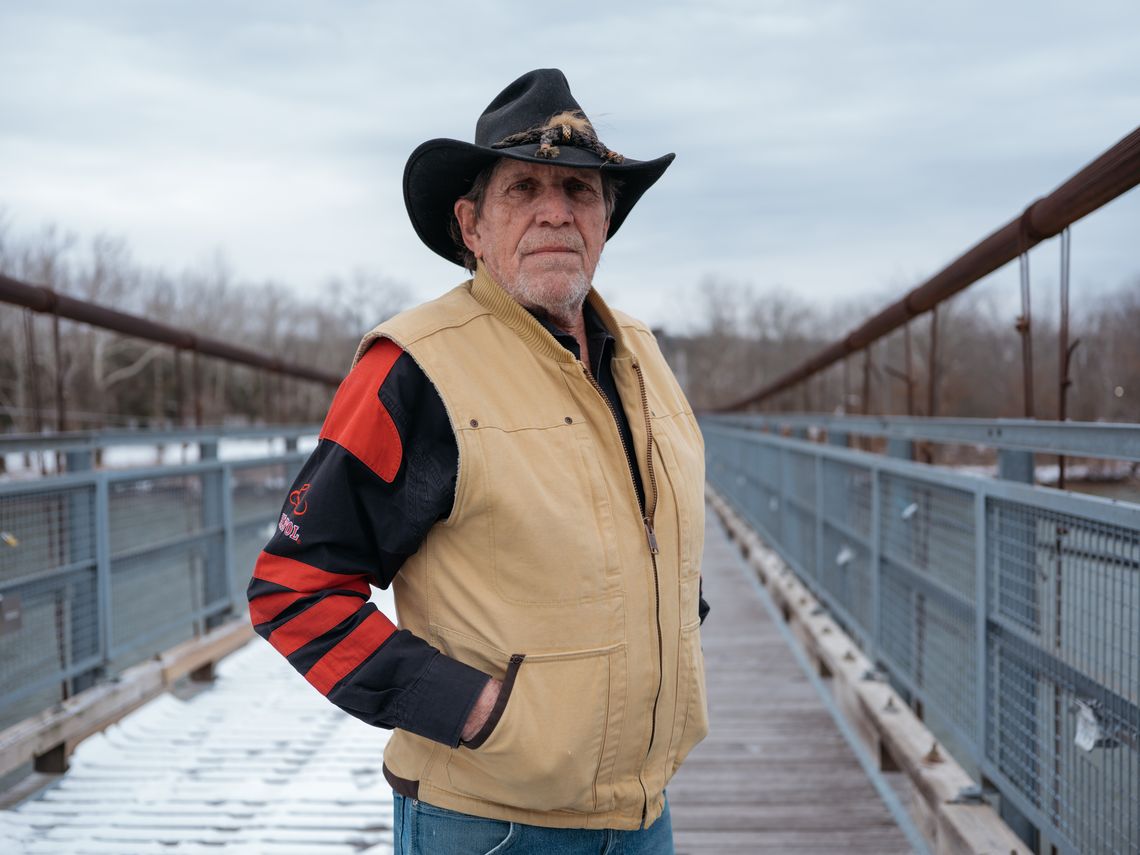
x,y
33,369
932,367
262,381
196,388
1064,349
60,406
1024,323
867,381
909,370
179,392
846,383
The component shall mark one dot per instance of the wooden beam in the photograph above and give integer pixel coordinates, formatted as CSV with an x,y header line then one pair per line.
x,y
48,738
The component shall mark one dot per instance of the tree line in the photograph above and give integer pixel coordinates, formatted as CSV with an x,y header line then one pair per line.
x,y
107,379
745,338
738,338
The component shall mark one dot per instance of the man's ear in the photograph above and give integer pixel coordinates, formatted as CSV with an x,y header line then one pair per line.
x,y
468,225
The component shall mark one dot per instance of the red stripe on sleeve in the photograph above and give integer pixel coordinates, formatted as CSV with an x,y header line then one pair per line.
x,y
313,622
268,606
298,576
358,422
357,646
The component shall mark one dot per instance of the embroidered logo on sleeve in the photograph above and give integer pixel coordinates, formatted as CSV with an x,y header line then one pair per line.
x,y
289,528
298,500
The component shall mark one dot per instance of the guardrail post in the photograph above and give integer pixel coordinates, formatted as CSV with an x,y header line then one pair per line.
x,y
981,629
819,512
1020,569
79,611
901,449
1015,465
795,520
899,519
215,575
103,569
228,560
781,517
876,565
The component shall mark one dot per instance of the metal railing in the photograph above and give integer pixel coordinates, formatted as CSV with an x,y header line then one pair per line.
x,y
102,569
1110,175
1009,614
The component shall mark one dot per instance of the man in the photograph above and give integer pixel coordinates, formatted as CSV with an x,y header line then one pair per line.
x,y
518,461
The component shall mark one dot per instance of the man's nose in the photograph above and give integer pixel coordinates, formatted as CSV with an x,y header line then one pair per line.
x,y
554,207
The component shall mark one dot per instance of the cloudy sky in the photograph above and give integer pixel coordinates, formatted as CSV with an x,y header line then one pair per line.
x,y
836,149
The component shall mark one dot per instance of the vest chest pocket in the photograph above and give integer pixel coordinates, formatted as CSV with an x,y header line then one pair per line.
x,y
555,745
552,529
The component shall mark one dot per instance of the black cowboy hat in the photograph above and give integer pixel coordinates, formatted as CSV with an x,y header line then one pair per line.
x,y
536,119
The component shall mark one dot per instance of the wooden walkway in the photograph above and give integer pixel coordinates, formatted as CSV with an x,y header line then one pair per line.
x,y
774,774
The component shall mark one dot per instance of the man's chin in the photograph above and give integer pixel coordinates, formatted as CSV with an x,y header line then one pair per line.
x,y
559,294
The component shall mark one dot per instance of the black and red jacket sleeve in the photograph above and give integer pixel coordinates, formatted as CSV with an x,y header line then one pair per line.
x,y
382,474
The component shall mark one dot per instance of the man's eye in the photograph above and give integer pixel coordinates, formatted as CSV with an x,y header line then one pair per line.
x,y
581,187
521,185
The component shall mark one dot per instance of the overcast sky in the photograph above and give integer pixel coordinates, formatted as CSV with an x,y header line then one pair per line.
x,y
836,149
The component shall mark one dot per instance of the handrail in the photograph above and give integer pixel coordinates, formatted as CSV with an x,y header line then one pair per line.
x,y
82,440
1105,440
48,301
1112,174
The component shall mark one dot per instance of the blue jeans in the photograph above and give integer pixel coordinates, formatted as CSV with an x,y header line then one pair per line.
x,y
423,829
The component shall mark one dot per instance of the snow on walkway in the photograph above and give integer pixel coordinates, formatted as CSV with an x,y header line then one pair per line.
x,y
259,763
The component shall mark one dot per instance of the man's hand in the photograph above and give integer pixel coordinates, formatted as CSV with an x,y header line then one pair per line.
x,y
482,710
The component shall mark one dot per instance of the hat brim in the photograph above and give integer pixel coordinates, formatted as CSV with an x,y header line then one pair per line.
x,y
441,170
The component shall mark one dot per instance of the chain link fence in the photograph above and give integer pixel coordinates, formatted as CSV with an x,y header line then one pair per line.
x,y
1008,614
102,569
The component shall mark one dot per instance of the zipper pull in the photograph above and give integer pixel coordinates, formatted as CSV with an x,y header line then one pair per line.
x,y
650,535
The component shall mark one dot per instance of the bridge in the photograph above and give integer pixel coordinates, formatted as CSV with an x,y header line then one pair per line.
x,y
905,654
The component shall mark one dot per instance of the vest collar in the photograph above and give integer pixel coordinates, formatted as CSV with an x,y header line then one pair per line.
x,y
502,305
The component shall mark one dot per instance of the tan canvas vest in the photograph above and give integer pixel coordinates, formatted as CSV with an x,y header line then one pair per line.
x,y
544,574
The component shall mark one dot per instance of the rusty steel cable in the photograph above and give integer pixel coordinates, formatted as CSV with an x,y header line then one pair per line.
x,y
37,298
1110,175
1024,324
932,366
1064,348
57,356
33,386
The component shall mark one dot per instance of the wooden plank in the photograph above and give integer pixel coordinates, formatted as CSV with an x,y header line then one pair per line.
x,y
885,725
774,774
55,732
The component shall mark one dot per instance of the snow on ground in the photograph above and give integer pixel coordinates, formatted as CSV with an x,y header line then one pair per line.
x,y
258,764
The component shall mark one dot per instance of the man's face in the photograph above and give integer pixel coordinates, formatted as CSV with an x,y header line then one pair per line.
x,y
540,232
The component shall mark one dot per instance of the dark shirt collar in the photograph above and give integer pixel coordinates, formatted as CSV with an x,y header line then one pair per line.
x,y
597,336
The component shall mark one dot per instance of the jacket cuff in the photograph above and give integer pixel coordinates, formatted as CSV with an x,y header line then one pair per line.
x,y
437,706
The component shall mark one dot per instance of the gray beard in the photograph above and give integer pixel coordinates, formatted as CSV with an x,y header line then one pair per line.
x,y
563,306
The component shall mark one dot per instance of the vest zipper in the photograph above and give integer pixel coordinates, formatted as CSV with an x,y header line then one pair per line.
x,y
647,512
650,511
